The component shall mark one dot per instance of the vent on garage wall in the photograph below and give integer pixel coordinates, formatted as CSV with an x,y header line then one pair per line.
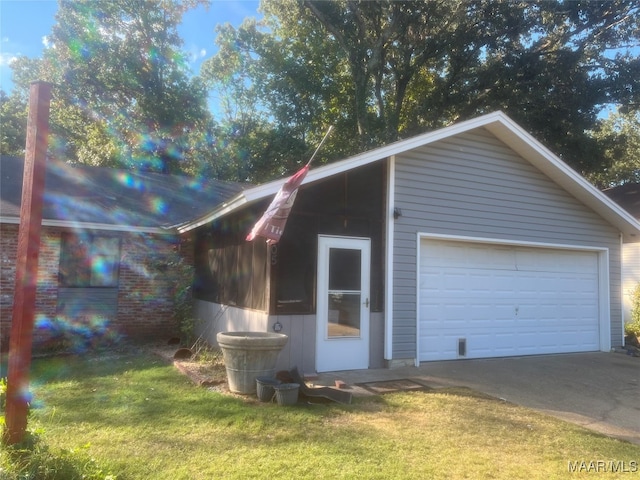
x,y
462,347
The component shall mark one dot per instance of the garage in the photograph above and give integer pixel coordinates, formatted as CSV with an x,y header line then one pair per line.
x,y
481,300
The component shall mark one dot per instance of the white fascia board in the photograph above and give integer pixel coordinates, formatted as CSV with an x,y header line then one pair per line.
x,y
263,191
542,158
397,148
246,197
222,210
93,226
498,124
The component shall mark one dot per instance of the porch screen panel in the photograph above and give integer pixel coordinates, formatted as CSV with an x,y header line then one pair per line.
x,y
231,271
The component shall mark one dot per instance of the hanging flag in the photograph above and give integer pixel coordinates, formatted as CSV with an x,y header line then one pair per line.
x,y
271,224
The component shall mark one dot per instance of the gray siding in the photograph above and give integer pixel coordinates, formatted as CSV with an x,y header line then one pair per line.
x,y
300,350
474,185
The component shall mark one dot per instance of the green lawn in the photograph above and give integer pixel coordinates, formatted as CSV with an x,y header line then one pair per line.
x,y
138,418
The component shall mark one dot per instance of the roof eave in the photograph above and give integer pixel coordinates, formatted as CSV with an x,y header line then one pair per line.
x,y
497,123
94,226
546,161
266,190
224,209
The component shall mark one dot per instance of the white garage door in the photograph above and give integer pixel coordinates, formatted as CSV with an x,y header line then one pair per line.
x,y
480,300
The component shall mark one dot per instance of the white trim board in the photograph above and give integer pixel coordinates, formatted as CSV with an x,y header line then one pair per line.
x,y
388,291
499,125
93,226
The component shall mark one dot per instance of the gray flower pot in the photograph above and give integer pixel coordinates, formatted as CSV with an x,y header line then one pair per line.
x,y
248,355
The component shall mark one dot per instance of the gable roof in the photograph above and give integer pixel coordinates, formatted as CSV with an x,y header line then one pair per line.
x,y
499,125
110,199
627,196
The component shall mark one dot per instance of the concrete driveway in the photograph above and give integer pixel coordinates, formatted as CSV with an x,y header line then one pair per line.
x,y
600,391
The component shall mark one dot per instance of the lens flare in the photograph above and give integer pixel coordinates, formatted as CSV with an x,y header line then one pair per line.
x,y
158,205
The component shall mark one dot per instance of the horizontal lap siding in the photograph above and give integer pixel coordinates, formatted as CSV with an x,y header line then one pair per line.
x,y
474,185
630,276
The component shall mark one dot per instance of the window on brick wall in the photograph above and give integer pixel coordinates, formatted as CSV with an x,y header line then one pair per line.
x,y
88,260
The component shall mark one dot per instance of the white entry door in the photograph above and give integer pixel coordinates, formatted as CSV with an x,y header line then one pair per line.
x,y
342,338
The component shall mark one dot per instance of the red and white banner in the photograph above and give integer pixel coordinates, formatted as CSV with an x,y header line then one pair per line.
x,y
271,224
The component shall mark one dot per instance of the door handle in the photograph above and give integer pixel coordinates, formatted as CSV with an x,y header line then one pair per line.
x,y
366,303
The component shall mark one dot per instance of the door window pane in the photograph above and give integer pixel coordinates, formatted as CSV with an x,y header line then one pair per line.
x,y
344,315
344,269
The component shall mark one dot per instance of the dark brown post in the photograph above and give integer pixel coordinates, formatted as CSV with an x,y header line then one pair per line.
x,y
24,298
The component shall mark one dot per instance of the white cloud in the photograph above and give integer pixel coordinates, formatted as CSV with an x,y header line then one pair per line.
x,y
6,59
46,42
195,54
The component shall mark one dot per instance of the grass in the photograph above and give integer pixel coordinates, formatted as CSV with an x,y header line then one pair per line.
x,y
136,417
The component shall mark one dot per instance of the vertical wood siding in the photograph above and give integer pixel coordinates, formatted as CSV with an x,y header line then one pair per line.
x,y
474,185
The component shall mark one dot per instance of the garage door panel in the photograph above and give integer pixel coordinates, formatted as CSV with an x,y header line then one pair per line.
x,y
573,262
506,300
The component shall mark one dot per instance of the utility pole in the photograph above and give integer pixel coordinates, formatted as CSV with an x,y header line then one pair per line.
x,y
24,298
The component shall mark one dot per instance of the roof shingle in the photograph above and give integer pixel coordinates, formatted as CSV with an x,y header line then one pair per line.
x,y
98,195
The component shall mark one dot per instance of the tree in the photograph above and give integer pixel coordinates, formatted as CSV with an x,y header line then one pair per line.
x,y
13,124
388,70
551,65
619,136
124,93
577,59
278,97
256,139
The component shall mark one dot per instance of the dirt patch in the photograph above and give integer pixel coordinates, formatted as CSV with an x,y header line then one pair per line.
x,y
205,369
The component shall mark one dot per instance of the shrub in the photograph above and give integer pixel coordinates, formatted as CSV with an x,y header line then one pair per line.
x,y
633,327
182,279
179,276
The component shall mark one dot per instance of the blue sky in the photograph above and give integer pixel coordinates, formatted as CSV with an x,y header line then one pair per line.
x,y
24,24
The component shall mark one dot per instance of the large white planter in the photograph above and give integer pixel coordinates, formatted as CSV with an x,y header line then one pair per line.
x,y
248,355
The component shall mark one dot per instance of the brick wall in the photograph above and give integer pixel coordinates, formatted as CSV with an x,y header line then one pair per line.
x,y
47,289
8,254
145,290
145,283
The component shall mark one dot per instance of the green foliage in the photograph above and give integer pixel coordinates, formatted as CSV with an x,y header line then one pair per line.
x,y
376,70
181,278
633,327
619,136
13,124
76,336
3,393
33,459
121,60
208,355
380,71
123,94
